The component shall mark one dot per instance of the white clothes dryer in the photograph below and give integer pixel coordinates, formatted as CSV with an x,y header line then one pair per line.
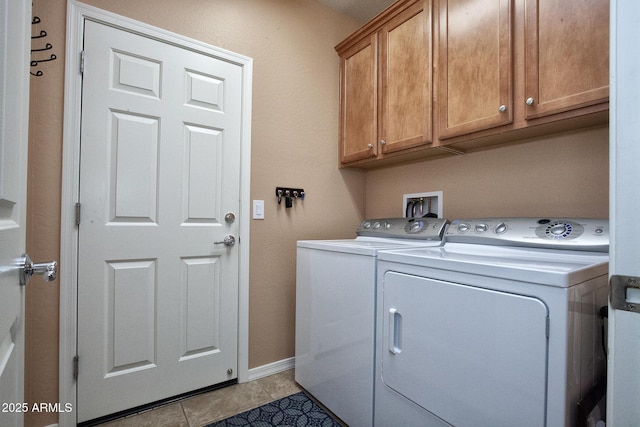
x,y
335,311
500,326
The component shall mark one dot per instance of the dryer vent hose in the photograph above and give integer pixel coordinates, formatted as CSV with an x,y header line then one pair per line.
x,y
604,314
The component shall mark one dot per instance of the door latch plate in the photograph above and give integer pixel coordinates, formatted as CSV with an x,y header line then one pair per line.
x,y
619,295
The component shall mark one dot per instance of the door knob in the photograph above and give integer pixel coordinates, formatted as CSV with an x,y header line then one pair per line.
x,y
48,270
229,240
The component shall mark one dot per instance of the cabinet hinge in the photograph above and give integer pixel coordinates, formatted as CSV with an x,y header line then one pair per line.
x,y
82,58
76,359
78,206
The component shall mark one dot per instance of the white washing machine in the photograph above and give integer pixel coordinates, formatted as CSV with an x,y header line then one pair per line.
x,y
500,326
335,311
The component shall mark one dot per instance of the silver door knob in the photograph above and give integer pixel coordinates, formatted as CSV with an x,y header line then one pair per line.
x,y
529,101
370,145
383,142
502,108
48,270
229,240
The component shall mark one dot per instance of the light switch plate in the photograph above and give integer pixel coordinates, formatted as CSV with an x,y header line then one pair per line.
x,y
258,209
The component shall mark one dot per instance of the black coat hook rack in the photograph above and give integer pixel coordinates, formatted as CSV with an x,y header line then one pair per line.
x,y
48,46
289,194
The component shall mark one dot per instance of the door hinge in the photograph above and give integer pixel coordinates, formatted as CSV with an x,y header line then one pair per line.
x,y
76,359
82,58
78,207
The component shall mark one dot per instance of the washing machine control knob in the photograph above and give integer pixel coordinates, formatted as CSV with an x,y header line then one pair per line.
x,y
500,228
463,227
481,228
414,227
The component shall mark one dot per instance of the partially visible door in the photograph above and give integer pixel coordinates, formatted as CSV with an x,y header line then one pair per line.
x,y
159,186
14,112
623,374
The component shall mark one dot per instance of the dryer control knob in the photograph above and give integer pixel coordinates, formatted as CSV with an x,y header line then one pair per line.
x,y
558,229
481,228
463,227
500,228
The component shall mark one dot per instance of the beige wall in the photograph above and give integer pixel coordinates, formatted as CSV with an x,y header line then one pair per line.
x,y
294,143
562,175
294,134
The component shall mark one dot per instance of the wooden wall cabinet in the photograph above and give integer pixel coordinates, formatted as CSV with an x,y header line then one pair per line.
x,y
567,55
386,84
504,65
475,65
504,70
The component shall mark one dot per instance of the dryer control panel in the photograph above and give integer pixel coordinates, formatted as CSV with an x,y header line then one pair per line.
x,y
404,228
584,234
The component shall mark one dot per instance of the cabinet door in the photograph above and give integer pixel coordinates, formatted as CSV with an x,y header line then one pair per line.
x,y
405,79
358,103
567,55
475,65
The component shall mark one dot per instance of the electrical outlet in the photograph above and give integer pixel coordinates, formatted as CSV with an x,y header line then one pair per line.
x,y
421,204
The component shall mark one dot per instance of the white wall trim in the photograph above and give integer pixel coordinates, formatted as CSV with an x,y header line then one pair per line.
x,y
77,13
271,368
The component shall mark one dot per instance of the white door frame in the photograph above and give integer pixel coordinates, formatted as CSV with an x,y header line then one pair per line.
x,y
623,381
77,13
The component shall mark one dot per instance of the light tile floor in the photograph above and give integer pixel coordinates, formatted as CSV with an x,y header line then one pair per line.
x,y
217,405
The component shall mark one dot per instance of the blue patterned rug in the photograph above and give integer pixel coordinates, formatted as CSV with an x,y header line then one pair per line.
x,y
296,410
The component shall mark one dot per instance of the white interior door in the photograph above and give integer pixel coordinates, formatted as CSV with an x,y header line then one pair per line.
x,y
15,27
623,382
160,171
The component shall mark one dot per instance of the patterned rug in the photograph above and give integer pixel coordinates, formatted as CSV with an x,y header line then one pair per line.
x,y
296,410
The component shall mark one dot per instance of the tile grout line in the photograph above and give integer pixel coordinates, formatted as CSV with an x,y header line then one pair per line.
x,y
184,414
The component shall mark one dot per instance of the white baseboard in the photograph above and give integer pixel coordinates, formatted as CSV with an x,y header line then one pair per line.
x,y
271,368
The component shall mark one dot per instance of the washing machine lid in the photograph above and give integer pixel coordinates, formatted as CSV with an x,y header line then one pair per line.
x,y
364,245
560,268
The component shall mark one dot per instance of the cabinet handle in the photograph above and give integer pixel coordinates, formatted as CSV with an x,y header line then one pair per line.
x,y
529,101
383,142
370,145
502,108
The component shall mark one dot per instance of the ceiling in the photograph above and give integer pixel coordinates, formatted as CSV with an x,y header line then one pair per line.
x,y
360,10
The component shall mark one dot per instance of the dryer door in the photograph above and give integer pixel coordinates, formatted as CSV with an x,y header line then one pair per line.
x,y
471,356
